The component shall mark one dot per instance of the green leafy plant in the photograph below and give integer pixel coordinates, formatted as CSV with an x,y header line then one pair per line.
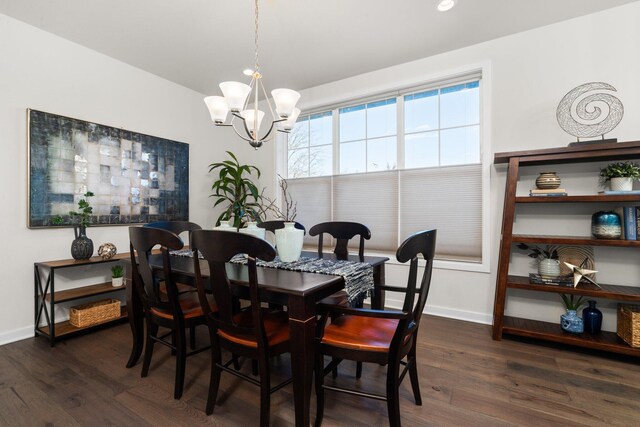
x,y
84,210
117,271
573,302
620,170
538,253
236,188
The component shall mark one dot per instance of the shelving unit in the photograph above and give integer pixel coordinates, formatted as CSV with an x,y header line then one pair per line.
x,y
46,297
607,341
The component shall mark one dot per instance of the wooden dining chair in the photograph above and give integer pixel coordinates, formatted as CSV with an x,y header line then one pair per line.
x,y
342,231
179,227
167,309
379,336
254,332
272,226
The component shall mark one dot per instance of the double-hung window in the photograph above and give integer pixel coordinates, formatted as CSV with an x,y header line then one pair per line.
x,y
399,164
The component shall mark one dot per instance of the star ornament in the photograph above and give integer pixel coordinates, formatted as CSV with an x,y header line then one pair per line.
x,y
579,273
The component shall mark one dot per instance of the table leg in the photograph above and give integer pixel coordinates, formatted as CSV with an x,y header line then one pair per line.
x,y
136,322
302,326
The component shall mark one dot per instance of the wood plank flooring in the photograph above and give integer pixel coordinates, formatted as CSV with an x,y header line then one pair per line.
x,y
467,379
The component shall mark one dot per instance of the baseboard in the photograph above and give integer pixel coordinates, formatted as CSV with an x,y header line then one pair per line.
x,y
469,316
16,335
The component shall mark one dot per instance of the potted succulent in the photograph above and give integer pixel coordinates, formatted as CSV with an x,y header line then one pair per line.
x,y
621,175
236,190
548,262
117,276
570,321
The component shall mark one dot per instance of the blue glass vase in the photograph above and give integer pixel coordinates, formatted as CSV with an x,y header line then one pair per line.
x,y
606,225
592,318
571,322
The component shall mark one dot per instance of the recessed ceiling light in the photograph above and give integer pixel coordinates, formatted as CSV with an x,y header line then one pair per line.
x,y
445,5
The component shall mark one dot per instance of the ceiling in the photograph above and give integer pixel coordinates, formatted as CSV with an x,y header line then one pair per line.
x,y
303,43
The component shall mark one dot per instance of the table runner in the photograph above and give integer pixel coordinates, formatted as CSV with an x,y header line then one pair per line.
x,y
358,276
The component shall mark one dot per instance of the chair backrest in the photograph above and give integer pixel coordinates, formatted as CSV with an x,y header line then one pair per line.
x,y
145,281
217,248
272,226
421,243
175,227
342,231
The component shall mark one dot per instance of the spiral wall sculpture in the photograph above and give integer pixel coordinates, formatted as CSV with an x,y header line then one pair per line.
x,y
590,110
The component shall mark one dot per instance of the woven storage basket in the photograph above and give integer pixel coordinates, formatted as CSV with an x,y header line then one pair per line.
x,y
95,312
629,324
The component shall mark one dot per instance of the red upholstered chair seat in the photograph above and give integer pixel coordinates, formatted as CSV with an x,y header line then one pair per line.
x,y
189,304
360,333
276,327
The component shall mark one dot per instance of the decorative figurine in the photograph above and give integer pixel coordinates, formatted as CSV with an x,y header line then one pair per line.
x,y
579,273
107,250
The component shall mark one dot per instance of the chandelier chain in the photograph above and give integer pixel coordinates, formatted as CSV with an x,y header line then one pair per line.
x,y
257,65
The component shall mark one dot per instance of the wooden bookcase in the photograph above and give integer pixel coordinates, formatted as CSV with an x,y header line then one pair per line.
x,y
46,297
502,324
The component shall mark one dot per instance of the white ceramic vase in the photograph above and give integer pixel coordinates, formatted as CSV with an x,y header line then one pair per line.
x,y
224,226
549,268
253,229
116,282
621,184
289,242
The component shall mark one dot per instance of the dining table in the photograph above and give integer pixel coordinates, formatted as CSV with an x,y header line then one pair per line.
x,y
298,291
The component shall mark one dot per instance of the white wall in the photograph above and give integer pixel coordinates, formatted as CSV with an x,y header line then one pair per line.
x,y
530,73
41,71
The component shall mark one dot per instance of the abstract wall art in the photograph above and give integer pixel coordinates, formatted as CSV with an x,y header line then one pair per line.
x,y
136,178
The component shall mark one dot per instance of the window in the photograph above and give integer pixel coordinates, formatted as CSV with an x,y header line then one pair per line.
x,y
401,164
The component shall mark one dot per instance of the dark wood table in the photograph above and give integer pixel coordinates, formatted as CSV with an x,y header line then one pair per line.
x,y
299,291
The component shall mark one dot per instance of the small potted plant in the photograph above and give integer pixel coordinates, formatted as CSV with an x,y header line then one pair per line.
x,y
117,276
548,262
570,321
621,175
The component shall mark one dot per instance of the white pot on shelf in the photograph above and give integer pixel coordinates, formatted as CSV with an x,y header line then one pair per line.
x,y
621,184
225,226
289,242
116,282
549,268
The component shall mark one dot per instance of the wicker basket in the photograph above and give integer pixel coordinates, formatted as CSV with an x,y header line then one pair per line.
x,y
629,324
95,312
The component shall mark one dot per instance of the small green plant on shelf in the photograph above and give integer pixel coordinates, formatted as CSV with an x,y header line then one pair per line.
x,y
620,170
573,302
539,253
117,271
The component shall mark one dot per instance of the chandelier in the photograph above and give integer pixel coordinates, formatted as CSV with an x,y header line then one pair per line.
x,y
244,107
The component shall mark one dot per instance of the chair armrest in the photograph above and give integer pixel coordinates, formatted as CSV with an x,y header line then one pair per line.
x,y
366,312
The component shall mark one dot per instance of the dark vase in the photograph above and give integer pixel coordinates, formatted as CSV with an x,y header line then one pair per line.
x,y
606,225
592,318
82,246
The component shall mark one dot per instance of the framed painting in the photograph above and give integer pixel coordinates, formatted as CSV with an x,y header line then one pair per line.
x,y
135,178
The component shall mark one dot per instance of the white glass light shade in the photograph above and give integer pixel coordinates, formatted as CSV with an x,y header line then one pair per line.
x,y
235,93
288,124
446,5
249,118
218,109
285,100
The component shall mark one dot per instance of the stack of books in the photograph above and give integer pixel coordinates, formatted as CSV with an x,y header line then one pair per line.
x,y
566,280
547,193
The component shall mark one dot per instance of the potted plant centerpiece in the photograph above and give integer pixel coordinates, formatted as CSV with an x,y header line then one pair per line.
x,y
117,276
235,188
548,262
82,246
621,175
570,321
289,240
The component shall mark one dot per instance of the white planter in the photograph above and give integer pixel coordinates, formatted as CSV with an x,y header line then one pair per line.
x,y
224,226
253,229
549,268
289,242
116,282
621,184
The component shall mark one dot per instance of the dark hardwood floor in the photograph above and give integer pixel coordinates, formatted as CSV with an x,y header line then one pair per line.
x,y
467,379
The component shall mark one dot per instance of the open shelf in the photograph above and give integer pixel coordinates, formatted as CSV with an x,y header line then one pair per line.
x,y
596,198
607,341
66,328
573,240
85,291
615,292
63,263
